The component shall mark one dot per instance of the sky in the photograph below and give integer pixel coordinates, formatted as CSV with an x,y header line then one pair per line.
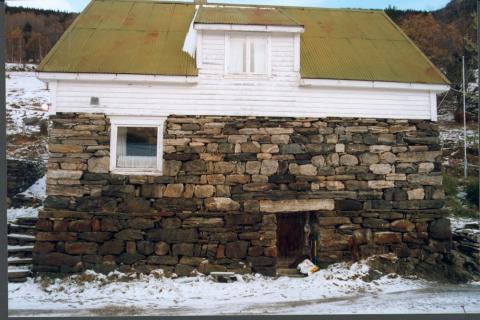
x,y
78,5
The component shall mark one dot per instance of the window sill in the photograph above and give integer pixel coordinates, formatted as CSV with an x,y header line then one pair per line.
x,y
247,77
137,173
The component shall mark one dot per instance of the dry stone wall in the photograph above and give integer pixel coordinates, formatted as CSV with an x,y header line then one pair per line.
x,y
369,186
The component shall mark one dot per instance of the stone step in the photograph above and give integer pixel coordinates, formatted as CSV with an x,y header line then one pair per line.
x,y
18,275
223,277
26,221
20,239
12,261
21,229
289,272
17,249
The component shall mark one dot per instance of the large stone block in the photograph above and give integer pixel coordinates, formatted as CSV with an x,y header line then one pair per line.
x,y
426,180
204,191
333,221
95,236
65,174
65,148
173,235
140,223
232,220
236,250
171,167
99,164
221,204
194,166
380,184
162,248
380,168
153,190
129,234
224,167
56,259
296,205
440,229
202,222
173,190
416,194
81,247
163,260
402,225
426,156
348,160
56,236
387,237
269,167
183,249
79,226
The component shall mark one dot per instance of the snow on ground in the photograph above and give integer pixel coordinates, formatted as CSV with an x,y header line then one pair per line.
x,y
37,190
455,136
460,222
447,117
337,289
25,212
20,67
25,97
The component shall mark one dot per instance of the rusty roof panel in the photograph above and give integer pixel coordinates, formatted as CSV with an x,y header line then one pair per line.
x,y
130,37
359,45
244,16
146,37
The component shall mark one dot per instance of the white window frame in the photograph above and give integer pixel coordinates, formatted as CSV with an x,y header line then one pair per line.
x,y
150,122
248,35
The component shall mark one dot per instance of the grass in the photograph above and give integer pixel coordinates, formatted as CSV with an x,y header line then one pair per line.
x,y
466,208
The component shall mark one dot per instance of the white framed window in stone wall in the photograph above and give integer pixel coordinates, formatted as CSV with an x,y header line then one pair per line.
x,y
136,145
247,54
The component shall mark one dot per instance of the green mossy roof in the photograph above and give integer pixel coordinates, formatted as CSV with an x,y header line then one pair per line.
x,y
146,37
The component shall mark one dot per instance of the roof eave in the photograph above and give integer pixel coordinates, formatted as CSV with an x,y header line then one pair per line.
x,y
438,88
248,27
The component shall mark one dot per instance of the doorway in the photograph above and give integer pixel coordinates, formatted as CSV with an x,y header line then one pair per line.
x,y
290,237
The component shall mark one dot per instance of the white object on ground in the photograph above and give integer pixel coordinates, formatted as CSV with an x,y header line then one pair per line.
x,y
307,267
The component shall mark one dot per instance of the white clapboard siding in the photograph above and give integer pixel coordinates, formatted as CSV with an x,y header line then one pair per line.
x,y
218,94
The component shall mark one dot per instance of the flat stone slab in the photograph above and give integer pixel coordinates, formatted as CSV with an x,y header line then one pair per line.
x,y
15,274
296,205
223,276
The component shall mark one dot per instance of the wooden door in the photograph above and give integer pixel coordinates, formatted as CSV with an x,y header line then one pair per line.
x,y
290,235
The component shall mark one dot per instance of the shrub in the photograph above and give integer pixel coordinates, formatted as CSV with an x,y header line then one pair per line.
x,y
472,190
450,185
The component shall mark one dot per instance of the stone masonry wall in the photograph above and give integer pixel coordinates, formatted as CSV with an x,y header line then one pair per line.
x,y
370,186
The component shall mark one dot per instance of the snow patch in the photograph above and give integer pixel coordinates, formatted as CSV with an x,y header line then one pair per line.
x,y
337,289
37,190
26,212
25,97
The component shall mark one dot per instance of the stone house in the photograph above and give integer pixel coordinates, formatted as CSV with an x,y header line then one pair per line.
x,y
218,137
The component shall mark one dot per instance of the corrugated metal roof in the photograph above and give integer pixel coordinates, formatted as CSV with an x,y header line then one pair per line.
x,y
359,45
146,37
266,16
128,37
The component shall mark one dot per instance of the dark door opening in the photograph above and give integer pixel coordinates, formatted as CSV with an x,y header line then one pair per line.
x,y
290,237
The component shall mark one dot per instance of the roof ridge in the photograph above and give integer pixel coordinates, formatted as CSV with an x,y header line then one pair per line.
x,y
254,5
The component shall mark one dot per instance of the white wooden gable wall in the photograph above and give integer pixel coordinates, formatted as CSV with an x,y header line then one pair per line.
x,y
217,94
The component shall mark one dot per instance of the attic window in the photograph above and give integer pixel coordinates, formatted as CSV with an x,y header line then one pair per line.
x,y
247,55
136,145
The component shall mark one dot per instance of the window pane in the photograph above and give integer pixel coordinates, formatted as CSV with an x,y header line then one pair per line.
x,y
137,147
259,56
238,55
